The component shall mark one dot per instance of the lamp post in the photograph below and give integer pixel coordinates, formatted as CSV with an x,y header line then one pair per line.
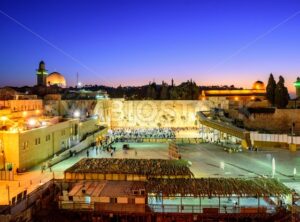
x,y
273,167
8,194
2,153
292,131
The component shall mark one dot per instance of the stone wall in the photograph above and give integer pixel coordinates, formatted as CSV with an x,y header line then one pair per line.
x,y
156,113
117,113
280,121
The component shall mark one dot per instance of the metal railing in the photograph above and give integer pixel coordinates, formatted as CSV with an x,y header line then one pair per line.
x,y
168,208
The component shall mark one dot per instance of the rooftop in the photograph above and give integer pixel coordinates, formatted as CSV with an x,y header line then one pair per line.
x,y
218,187
147,167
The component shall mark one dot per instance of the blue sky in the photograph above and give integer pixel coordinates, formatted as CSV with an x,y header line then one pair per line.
x,y
133,42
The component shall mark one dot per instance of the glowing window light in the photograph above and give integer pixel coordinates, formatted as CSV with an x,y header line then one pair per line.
x,y
38,111
24,113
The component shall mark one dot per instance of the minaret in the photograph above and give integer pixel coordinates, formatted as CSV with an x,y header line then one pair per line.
x,y
297,86
41,74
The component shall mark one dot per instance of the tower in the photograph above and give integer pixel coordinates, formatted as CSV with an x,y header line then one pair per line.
x,y
41,74
297,86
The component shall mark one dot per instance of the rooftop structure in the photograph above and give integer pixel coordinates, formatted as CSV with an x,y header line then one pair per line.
x,y
41,73
55,78
214,187
258,91
297,86
128,169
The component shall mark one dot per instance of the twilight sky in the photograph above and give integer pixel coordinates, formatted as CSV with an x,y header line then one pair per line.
x,y
112,42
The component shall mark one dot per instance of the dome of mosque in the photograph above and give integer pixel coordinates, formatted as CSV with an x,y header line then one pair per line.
x,y
258,85
55,78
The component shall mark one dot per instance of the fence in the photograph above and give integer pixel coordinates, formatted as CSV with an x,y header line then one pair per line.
x,y
159,140
276,138
12,192
158,208
6,175
208,209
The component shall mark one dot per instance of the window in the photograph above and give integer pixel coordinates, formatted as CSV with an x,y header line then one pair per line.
x,y
25,145
37,141
48,137
113,200
131,200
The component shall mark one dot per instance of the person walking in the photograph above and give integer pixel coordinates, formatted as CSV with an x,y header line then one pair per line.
x,y
43,168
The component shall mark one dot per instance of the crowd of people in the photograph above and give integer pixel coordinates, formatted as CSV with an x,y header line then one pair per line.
x,y
142,133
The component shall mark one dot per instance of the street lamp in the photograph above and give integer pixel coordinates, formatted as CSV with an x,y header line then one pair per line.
x,y
2,153
32,122
273,167
292,131
76,114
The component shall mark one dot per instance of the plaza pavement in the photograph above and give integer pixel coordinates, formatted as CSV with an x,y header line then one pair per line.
x,y
208,160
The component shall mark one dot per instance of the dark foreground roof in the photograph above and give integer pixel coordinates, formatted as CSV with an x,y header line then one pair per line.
x,y
147,167
213,187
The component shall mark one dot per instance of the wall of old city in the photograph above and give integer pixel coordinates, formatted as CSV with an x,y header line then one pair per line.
x,y
137,113
279,121
158,113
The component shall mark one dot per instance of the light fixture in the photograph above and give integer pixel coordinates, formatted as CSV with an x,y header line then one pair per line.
x,y
76,114
3,118
32,122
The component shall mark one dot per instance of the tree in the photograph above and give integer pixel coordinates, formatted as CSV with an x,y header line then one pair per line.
x,y
271,89
151,91
164,92
281,94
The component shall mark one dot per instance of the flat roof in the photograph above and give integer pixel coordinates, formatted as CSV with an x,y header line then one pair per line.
x,y
106,188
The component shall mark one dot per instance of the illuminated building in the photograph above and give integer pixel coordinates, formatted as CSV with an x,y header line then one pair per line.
x,y
297,86
28,137
41,73
258,92
56,78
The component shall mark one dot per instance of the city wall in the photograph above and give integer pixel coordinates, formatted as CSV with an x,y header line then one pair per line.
x,y
156,113
117,113
280,121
